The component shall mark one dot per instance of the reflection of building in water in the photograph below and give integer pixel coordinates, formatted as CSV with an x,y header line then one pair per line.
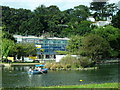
x,y
48,45
8,68
20,68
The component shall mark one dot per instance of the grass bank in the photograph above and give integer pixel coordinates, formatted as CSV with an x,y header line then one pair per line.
x,y
103,85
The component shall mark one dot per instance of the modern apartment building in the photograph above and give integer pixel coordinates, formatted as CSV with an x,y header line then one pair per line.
x,y
48,45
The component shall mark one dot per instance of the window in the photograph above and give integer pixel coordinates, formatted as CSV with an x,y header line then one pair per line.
x,y
47,56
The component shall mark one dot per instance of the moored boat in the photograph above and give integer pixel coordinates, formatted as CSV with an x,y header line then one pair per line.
x,y
43,70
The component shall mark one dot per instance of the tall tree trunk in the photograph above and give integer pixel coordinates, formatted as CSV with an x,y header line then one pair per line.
x,y
22,58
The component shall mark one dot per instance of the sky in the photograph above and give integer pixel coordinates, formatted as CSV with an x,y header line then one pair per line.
x,y
62,4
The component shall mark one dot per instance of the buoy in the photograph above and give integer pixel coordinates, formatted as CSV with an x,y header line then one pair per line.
x,y
81,80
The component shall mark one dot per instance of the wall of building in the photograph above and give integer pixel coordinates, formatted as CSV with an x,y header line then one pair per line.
x,y
59,57
49,45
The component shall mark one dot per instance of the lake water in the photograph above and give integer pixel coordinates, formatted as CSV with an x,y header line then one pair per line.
x,y
16,76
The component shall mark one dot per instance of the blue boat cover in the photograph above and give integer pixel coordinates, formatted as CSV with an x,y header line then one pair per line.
x,y
40,65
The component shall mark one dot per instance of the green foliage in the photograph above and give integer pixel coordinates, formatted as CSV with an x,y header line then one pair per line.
x,y
69,61
25,49
116,20
6,43
7,46
48,65
74,44
53,21
94,46
109,32
50,21
41,50
81,12
8,36
43,19
98,7
13,18
61,52
76,28
112,35
85,62
56,66
68,65
103,9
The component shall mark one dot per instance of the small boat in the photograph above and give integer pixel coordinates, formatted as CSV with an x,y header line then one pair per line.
x,y
44,70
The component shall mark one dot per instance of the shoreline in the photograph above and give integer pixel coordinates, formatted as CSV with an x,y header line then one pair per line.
x,y
56,69
18,64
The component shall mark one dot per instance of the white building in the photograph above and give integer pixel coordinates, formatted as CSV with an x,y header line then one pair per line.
x,y
59,57
49,45
100,23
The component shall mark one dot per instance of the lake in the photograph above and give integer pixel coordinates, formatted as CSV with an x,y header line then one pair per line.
x,y
17,77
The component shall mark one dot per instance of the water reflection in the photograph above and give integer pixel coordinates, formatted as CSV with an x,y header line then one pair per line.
x,y
16,76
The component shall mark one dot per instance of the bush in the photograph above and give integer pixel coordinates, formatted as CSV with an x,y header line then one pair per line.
x,y
54,66
68,60
48,65
77,65
59,66
85,62
68,66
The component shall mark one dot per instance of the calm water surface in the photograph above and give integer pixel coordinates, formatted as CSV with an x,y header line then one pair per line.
x,y
16,76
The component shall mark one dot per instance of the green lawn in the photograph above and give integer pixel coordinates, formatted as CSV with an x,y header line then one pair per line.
x,y
104,85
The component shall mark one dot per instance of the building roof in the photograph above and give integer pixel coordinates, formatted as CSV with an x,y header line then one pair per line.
x,y
34,37
90,18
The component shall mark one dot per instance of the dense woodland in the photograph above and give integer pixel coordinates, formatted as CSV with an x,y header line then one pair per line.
x,y
51,21
85,39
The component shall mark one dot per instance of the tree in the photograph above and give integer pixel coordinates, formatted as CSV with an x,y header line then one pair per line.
x,y
42,10
102,10
81,28
53,9
116,20
81,12
13,18
98,7
77,14
25,49
7,46
45,20
54,19
49,17
7,43
61,52
8,36
112,35
110,9
74,44
94,47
